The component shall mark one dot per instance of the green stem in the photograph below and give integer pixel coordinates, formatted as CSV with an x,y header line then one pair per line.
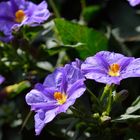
x,y
76,112
25,121
93,96
57,14
106,90
109,102
83,3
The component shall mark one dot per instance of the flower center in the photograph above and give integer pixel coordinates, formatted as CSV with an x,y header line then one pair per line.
x,y
60,97
114,70
19,16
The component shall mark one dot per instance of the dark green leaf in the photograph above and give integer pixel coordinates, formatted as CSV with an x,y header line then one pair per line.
x,y
72,33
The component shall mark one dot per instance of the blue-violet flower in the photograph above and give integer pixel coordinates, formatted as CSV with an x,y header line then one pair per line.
x,y
110,68
58,92
16,13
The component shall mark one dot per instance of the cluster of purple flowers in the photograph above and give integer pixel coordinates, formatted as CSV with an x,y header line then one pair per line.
x,y
16,13
61,88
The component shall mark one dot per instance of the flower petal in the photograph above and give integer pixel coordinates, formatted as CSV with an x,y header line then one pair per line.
x,y
37,100
64,107
42,118
133,69
35,96
14,6
1,79
48,92
76,90
124,62
104,78
111,57
54,79
72,74
6,38
77,63
36,13
94,64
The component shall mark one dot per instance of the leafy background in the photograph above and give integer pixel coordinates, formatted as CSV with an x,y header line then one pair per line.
x,y
83,28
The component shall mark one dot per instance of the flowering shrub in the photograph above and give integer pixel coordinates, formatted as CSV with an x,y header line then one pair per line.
x,y
61,88
69,70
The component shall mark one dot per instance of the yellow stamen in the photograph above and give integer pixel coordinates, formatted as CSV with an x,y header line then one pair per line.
x,y
114,70
60,97
19,16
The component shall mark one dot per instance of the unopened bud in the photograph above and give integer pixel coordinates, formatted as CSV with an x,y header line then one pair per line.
x,y
13,90
120,96
105,119
96,115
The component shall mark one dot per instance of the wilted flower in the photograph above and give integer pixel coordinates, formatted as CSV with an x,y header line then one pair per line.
x,y
110,68
134,2
16,13
1,79
59,91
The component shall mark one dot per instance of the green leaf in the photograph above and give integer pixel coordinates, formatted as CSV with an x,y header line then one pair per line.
x,y
16,89
56,50
135,106
72,33
126,117
137,101
128,114
45,65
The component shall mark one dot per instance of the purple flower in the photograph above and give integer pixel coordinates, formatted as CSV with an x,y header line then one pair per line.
x,y
134,2
16,13
59,91
110,68
1,79
77,63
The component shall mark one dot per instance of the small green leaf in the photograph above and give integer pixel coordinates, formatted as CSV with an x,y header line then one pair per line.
x,y
56,50
126,117
72,33
135,106
45,65
16,89
128,114
137,101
